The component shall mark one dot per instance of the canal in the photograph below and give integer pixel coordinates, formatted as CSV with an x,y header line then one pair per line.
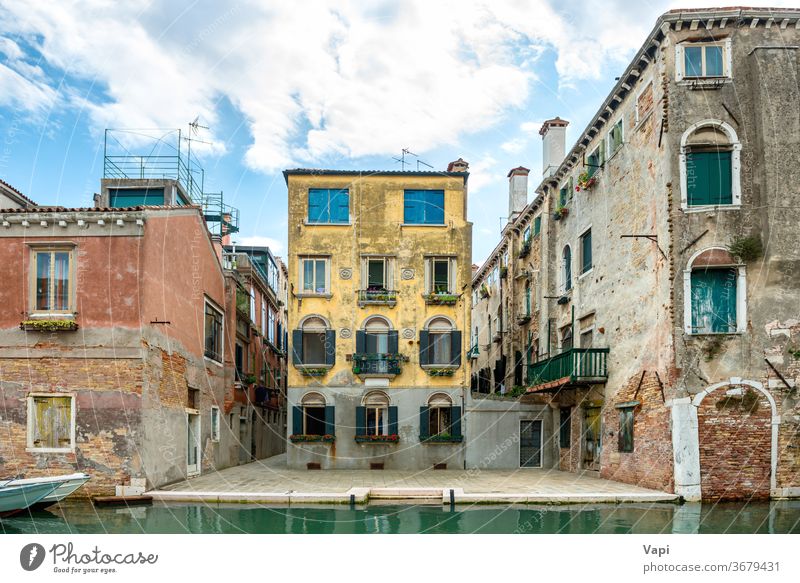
x,y
82,517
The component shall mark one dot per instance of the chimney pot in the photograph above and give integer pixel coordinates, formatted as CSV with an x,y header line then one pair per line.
x,y
517,191
554,143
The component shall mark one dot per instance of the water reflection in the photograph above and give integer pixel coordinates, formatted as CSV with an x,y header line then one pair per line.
x,y
80,517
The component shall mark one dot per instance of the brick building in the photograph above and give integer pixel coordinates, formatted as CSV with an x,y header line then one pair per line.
x,y
668,320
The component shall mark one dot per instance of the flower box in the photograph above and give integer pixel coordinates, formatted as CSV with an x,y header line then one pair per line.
x,y
585,182
300,438
440,372
49,325
394,438
525,249
484,291
560,213
313,372
441,299
442,438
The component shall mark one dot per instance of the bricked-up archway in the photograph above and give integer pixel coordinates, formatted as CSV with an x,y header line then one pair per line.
x,y
736,422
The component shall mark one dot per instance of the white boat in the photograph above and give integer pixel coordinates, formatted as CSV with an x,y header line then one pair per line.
x,y
68,484
14,499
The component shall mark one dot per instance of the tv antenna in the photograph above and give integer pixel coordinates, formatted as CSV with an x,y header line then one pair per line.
x,y
194,129
402,159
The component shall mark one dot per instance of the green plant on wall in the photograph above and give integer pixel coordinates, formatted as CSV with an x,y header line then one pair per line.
x,y
747,248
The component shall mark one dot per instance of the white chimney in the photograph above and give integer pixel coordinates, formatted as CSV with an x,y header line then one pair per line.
x,y
517,191
554,144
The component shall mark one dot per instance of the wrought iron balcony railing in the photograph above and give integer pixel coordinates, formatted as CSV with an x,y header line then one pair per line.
x,y
573,366
368,364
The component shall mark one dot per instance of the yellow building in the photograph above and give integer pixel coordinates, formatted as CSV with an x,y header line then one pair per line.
x,y
379,313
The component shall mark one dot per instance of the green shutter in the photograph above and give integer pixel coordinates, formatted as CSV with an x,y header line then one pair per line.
x,y
424,423
361,420
708,178
455,421
537,225
297,347
361,342
424,352
713,300
455,347
393,421
297,420
330,347
586,251
393,343
330,420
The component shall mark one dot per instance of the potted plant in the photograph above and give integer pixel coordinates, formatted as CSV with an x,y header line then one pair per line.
x,y
561,212
585,182
303,438
48,325
440,372
393,438
484,291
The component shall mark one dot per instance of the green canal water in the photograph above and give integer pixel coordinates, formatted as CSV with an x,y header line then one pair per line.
x,y
80,517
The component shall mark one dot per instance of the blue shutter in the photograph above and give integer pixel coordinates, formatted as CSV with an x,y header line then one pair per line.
x,y
361,420
424,352
297,420
424,424
455,421
340,206
330,347
297,347
455,347
318,205
330,420
393,421
434,209
411,208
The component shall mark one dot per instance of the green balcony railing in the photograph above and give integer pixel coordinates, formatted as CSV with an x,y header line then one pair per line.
x,y
580,365
377,364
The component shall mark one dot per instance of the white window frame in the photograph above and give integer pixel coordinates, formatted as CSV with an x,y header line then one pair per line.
x,y
727,61
451,273
263,318
271,326
215,424
35,249
208,302
29,429
736,166
301,274
741,296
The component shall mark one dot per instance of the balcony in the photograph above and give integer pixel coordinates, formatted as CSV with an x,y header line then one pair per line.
x,y
525,249
573,367
377,297
377,365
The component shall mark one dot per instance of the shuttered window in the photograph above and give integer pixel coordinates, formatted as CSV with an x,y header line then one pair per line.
x,y
713,300
708,178
50,422
328,205
564,433
423,207
625,443
213,333
586,251
537,225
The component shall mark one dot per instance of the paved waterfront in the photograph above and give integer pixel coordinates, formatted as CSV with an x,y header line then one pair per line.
x,y
271,481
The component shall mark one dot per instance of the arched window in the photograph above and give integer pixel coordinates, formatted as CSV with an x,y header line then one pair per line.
x,y
314,343
376,413
376,335
714,293
710,165
567,268
440,343
440,419
310,418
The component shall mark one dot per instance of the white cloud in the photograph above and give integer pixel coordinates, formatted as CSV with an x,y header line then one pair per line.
x,y
515,145
275,246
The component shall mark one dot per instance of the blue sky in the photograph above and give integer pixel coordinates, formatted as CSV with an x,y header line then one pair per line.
x,y
332,84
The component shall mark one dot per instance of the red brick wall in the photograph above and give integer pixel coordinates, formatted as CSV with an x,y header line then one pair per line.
x,y
650,463
735,445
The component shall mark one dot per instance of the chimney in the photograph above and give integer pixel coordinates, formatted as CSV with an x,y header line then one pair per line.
x,y
459,165
517,191
554,143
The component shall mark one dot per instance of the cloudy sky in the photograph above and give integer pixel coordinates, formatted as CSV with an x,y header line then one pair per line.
x,y
284,84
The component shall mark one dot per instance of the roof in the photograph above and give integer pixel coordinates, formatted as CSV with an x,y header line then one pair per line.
x,y
362,173
16,192
644,57
63,209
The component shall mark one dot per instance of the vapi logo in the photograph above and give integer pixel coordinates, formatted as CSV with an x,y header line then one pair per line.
x,y
31,556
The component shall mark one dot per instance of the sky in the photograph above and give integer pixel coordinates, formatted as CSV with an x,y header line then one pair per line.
x,y
277,84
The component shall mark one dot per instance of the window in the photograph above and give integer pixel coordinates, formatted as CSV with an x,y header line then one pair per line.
x,y
440,344
326,205
565,427
377,273
566,268
239,361
710,165
263,318
313,416
213,333
626,429
314,275
714,287
214,424
440,418
376,417
252,305
128,197
562,196
51,422
440,275
586,251
193,398
587,338
423,207
376,337
595,160
537,226
704,60
644,102
566,338
614,140
526,234
527,298
53,286
314,343
271,326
